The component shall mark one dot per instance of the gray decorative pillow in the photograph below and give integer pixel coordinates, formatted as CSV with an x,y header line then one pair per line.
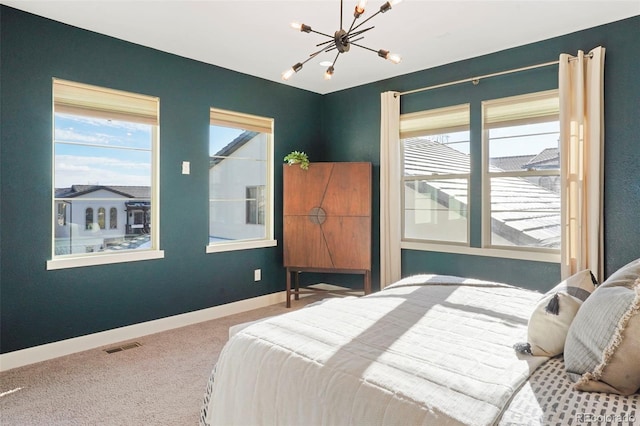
x,y
550,321
602,351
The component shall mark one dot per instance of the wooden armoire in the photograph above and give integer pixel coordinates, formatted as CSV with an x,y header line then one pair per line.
x,y
327,221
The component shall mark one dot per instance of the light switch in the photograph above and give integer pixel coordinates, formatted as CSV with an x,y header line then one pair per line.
x,y
186,167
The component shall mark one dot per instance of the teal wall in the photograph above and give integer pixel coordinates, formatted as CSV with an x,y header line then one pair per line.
x,y
39,306
357,138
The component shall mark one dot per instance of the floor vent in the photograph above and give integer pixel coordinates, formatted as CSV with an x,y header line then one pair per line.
x,y
122,348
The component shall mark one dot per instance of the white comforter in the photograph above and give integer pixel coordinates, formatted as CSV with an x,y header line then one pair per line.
x,y
427,350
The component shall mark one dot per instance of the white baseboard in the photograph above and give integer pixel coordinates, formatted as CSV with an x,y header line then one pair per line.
x,y
78,344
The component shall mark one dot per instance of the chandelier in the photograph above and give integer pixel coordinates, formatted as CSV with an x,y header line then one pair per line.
x,y
341,41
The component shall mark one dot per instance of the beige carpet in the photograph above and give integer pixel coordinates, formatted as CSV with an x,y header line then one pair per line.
x,y
161,382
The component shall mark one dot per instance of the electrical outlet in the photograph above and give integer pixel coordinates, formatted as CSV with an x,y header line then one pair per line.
x,y
257,274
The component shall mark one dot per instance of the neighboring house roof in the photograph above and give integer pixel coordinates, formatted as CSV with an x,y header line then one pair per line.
x,y
547,159
517,216
122,190
517,162
425,157
232,147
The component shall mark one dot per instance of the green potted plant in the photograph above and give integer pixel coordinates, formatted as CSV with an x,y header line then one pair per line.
x,y
296,157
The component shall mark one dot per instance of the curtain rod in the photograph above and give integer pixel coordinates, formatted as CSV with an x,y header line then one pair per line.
x,y
476,80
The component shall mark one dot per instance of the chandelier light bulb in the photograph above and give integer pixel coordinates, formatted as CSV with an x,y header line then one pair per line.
x,y
328,73
389,5
391,57
287,74
360,8
300,27
294,69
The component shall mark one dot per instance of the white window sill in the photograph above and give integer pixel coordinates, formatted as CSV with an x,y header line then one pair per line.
x,y
104,259
240,245
505,253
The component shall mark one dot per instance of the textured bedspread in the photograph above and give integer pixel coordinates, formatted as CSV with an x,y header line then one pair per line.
x,y
548,399
427,350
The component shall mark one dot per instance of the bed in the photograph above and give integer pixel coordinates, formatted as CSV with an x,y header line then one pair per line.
x,y
429,349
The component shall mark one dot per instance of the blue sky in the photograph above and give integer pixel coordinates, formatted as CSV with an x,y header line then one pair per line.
x,y
95,151
101,152
219,137
545,135
107,152
507,140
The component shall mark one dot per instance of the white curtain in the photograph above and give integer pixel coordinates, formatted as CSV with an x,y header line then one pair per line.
x,y
390,187
581,85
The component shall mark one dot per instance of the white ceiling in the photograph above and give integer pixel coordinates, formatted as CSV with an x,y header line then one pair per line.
x,y
254,37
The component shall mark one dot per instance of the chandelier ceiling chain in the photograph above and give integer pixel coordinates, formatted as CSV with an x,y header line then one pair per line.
x,y
342,40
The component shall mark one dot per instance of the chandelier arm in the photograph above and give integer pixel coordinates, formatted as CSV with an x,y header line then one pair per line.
x,y
329,72
356,33
351,27
324,42
330,48
336,59
313,55
318,32
366,20
363,47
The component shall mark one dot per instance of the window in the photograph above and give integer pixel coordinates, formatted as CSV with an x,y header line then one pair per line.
x,y
521,206
88,218
240,181
138,219
101,217
113,218
105,149
516,181
436,169
62,214
255,205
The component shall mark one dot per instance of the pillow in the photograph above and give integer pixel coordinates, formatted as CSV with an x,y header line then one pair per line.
x,y
624,276
550,320
603,345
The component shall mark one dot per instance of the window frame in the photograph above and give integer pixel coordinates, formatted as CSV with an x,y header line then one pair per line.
x,y
233,119
505,252
431,125
487,175
65,100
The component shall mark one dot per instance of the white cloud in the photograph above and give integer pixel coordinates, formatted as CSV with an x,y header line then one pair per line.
x,y
72,135
101,122
79,170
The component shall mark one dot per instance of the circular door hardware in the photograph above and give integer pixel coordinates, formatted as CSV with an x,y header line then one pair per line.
x,y
317,216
